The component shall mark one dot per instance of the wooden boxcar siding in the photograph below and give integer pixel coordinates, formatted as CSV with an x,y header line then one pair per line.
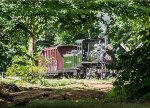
x,y
47,60
54,58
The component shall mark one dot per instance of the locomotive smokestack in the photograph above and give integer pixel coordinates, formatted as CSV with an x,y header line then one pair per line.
x,y
106,40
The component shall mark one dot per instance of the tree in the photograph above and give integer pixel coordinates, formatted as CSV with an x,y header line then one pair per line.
x,y
30,22
131,27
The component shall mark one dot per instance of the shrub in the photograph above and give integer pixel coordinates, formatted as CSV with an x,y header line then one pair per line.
x,y
22,68
134,79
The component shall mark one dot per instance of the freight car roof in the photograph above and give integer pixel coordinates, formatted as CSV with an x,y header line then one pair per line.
x,y
62,46
86,40
58,46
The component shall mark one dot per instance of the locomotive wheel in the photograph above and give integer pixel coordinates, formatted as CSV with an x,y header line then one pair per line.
x,y
81,74
68,75
104,75
88,73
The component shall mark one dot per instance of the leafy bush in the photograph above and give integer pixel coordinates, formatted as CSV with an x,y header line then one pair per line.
x,y
22,68
134,79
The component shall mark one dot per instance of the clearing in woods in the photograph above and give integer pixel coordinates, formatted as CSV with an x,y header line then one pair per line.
x,y
62,89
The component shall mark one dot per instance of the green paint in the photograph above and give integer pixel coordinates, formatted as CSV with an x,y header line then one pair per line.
x,y
68,61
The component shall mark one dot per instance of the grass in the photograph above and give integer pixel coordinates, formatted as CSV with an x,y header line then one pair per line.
x,y
80,104
42,83
60,87
53,82
56,82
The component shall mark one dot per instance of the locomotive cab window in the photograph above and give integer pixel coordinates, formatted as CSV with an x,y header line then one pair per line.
x,y
87,46
85,51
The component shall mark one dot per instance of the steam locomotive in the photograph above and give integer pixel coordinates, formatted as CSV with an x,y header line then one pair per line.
x,y
88,58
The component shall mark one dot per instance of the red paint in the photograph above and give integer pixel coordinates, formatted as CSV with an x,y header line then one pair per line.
x,y
54,57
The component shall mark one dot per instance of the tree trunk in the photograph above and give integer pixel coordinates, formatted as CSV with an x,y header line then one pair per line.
x,y
32,40
31,49
31,45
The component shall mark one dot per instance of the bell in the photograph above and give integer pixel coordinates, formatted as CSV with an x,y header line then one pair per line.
x,y
109,47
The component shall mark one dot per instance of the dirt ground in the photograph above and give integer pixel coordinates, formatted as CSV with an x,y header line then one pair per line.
x,y
93,89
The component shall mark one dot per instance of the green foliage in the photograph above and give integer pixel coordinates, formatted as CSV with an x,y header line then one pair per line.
x,y
48,22
22,68
131,26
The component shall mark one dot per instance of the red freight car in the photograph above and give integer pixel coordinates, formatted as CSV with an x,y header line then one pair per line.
x,y
52,58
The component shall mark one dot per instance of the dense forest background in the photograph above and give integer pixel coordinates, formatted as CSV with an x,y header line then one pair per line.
x,y
28,26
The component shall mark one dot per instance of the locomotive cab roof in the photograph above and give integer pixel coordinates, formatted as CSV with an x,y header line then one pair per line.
x,y
85,41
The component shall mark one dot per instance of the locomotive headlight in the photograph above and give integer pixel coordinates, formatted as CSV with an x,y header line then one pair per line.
x,y
108,57
109,47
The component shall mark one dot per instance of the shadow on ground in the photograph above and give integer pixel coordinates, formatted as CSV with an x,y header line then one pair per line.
x,y
10,94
